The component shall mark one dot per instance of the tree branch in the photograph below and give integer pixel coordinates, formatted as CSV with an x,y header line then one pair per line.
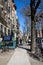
x,y
37,5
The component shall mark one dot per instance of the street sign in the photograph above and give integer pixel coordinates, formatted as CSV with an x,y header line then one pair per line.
x,y
7,38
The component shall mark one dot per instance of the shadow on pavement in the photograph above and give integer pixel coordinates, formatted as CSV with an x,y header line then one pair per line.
x,y
34,56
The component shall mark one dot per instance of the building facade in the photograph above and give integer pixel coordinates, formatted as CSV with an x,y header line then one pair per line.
x,y
39,25
7,17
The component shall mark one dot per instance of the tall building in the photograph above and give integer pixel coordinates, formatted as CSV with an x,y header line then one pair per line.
x,y
8,22
7,17
3,23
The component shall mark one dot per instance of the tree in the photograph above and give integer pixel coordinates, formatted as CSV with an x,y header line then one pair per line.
x,y
27,25
26,15
31,11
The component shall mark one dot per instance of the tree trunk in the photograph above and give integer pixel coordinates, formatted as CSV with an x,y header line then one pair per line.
x,y
33,36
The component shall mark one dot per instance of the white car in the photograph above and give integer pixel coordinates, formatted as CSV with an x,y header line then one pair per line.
x,y
29,41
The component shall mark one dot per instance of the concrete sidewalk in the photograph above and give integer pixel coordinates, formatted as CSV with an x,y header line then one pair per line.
x,y
20,57
5,56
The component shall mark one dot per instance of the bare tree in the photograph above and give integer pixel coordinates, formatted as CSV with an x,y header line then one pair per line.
x,y
31,11
34,6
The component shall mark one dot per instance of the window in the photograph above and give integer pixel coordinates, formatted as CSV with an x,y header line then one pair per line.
x,y
8,9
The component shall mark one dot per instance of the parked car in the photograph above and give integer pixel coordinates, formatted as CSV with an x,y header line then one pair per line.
x,y
29,42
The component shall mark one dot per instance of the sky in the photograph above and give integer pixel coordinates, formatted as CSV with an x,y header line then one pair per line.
x,y
20,4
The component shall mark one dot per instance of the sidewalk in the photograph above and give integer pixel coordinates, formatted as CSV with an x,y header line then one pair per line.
x,y
5,56
20,57
34,61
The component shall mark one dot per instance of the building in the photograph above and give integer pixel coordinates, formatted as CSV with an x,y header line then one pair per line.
x,y
7,17
3,23
39,25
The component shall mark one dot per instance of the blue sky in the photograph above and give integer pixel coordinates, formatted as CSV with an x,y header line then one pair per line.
x,y
20,4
